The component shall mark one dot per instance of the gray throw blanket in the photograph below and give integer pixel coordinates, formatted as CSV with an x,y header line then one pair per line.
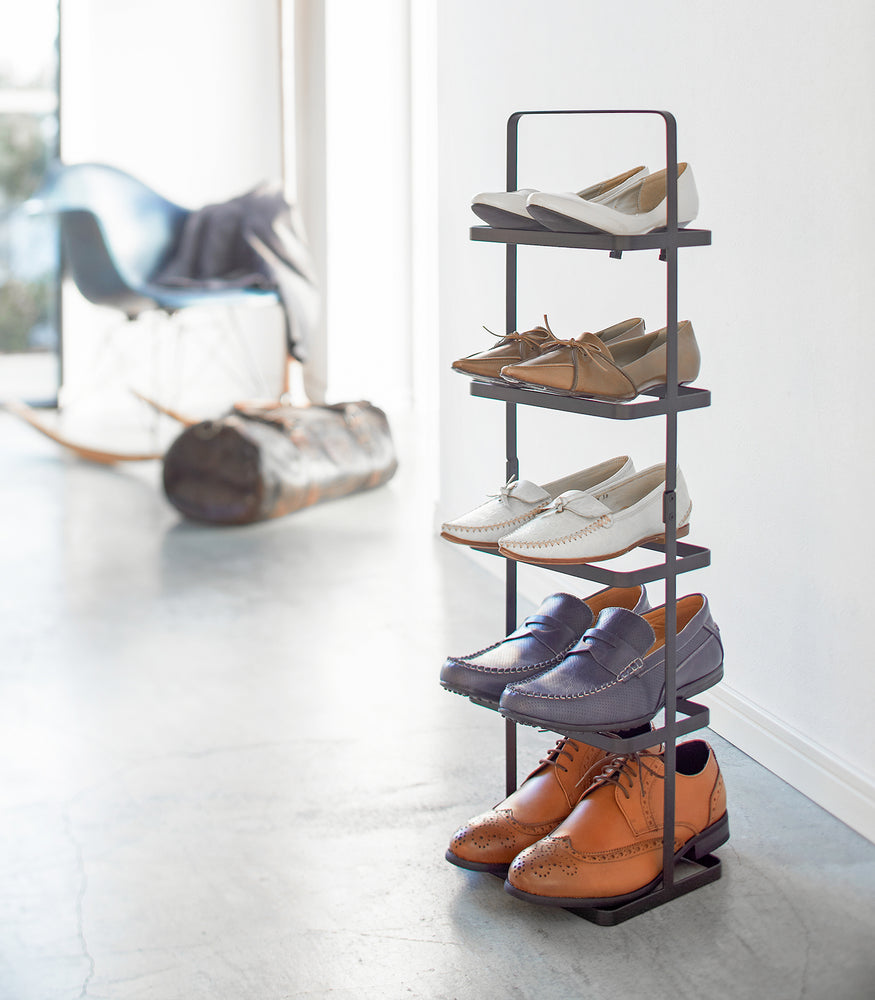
x,y
253,241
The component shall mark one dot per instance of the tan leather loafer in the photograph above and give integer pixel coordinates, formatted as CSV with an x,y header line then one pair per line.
x,y
490,841
609,849
517,348
588,366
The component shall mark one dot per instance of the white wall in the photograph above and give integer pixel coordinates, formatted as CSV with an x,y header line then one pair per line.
x,y
184,95
353,164
775,115
367,122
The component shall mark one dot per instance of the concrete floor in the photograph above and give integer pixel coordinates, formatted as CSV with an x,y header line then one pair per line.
x,y
229,772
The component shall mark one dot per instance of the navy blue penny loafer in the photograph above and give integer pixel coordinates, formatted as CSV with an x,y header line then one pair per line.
x,y
614,677
538,644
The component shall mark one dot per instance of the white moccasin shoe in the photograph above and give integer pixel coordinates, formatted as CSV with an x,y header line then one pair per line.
x,y
520,500
639,209
507,209
588,527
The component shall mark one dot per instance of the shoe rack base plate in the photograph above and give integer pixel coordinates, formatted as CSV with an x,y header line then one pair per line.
x,y
688,875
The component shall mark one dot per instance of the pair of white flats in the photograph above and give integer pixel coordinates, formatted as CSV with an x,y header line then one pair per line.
x,y
591,515
630,204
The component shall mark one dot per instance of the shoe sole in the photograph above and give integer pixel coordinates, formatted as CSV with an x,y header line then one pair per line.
x,y
559,223
569,729
491,379
476,866
576,394
694,850
499,218
481,700
683,530
492,546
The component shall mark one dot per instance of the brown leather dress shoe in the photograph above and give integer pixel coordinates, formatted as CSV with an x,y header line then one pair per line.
x,y
620,370
609,849
490,841
516,348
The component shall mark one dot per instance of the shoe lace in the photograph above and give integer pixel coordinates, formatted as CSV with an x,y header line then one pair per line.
x,y
593,509
627,766
587,348
559,750
529,337
506,491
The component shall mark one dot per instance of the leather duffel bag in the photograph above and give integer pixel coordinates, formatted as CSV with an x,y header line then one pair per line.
x,y
259,462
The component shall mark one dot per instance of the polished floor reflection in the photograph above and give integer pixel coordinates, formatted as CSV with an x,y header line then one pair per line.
x,y
229,772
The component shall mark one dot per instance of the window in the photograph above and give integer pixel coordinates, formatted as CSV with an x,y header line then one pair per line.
x,y
29,246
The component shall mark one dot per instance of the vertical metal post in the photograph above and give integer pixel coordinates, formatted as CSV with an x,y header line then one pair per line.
x,y
510,437
669,503
61,258
510,595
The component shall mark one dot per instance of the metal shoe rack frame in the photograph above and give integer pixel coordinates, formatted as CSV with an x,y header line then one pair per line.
x,y
681,715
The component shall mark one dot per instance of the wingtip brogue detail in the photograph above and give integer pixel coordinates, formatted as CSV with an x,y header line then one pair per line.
x,y
609,849
491,840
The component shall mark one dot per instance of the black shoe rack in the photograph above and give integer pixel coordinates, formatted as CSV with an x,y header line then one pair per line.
x,y
681,716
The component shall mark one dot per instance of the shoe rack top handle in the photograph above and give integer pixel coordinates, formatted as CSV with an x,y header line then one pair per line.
x,y
671,150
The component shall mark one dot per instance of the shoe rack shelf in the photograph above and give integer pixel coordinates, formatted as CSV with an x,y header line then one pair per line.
x,y
690,557
657,240
688,398
680,716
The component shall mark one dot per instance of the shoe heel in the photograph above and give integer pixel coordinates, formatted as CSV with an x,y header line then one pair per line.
x,y
709,839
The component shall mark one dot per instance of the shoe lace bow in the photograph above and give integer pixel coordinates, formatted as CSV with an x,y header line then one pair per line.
x,y
505,492
584,506
586,348
529,337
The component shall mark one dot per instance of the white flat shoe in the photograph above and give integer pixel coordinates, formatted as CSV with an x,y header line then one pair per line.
x,y
639,209
507,209
520,500
588,527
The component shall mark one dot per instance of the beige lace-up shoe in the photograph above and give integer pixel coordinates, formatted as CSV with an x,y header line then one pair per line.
x,y
517,348
616,371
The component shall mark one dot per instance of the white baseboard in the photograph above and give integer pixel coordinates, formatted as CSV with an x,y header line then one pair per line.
x,y
813,770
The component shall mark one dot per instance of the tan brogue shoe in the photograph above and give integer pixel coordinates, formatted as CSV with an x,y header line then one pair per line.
x,y
620,371
609,849
490,841
516,348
